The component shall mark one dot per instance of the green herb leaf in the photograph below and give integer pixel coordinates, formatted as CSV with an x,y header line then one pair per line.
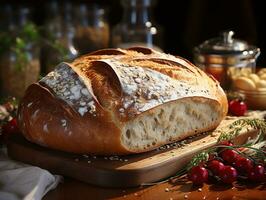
x,y
238,125
20,43
30,32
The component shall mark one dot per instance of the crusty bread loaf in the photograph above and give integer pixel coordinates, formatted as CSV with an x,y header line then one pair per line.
x,y
118,101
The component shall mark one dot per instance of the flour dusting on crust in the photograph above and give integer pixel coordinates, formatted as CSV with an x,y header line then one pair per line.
x,y
67,85
145,88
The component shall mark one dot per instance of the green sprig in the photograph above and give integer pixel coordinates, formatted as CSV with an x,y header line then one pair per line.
x,y
237,126
199,158
234,130
19,42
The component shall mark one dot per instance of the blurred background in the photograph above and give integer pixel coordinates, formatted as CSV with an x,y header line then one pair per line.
x,y
36,35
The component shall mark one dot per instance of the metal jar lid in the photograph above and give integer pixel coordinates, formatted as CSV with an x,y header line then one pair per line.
x,y
226,51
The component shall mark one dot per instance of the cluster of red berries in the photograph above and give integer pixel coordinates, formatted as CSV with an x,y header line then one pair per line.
x,y
7,129
228,167
10,127
8,122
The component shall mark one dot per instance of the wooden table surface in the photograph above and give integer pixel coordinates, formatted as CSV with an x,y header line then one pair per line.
x,y
75,190
72,189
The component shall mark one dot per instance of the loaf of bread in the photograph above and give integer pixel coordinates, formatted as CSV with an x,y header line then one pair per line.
x,y
117,101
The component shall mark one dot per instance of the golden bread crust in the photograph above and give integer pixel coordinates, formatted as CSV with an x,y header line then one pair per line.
x,y
84,106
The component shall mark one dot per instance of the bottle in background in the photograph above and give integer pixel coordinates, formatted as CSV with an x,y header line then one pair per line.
x,y
137,27
92,29
59,32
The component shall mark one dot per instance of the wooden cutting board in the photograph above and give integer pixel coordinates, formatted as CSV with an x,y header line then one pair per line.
x,y
122,171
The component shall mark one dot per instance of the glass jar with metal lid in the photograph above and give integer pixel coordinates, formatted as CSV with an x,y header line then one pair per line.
x,y
225,57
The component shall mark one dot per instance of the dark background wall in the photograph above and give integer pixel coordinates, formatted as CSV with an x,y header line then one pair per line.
x,y
187,23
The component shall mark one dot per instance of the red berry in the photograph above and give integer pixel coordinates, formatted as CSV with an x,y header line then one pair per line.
x,y
237,107
229,155
228,174
257,174
244,164
10,127
198,175
226,143
215,166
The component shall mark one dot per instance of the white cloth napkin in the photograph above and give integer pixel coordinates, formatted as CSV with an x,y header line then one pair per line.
x,y
22,181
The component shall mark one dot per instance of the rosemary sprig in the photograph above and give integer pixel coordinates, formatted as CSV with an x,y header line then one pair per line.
x,y
204,156
237,126
200,158
234,129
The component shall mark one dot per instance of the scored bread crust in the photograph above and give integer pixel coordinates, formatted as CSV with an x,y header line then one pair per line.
x,y
117,101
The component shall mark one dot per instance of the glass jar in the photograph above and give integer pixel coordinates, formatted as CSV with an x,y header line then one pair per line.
x,y
19,62
92,29
50,54
68,32
8,19
137,27
225,57
18,71
59,31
